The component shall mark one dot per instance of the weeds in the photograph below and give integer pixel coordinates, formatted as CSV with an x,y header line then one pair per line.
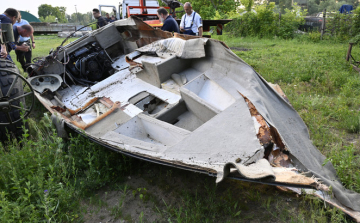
x,y
42,178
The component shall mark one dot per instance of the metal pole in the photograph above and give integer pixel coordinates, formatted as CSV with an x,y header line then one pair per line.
x,y
323,25
76,13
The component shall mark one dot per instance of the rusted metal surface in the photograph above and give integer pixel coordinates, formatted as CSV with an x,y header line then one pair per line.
x,y
58,109
106,101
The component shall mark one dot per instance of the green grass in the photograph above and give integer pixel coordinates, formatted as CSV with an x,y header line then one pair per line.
x,y
43,178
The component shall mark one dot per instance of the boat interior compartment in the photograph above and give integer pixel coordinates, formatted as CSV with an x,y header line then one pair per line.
x,y
209,91
147,102
188,114
151,130
157,73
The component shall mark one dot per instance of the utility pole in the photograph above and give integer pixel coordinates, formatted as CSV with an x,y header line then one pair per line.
x,y
76,14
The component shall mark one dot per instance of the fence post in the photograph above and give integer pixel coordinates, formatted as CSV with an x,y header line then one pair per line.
x,y
348,55
323,24
279,17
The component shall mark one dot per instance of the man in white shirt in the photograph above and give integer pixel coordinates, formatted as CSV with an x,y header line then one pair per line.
x,y
191,22
24,57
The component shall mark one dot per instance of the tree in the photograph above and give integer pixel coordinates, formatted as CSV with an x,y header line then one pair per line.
x,y
208,8
80,18
49,18
46,10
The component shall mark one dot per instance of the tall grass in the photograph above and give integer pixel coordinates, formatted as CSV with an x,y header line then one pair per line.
x,y
43,178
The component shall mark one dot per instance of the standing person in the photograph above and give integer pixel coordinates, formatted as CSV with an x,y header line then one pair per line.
x,y
169,23
108,19
9,16
191,22
100,20
24,57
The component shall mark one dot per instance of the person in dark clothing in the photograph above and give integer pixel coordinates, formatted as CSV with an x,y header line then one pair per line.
x,y
9,16
113,18
24,57
100,20
24,31
108,19
169,23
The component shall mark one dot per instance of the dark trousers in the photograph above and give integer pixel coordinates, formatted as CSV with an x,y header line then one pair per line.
x,y
24,58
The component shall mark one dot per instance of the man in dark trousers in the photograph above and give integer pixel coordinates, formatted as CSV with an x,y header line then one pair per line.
x,y
100,20
24,31
169,23
24,57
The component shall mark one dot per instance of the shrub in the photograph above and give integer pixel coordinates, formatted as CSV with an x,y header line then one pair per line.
x,y
290,22
264,22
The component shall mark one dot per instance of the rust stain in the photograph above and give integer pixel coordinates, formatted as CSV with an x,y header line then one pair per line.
x,y
58,109
132,63
123,107
107,102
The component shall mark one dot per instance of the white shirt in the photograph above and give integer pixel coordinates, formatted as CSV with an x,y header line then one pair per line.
x,y
189,19
22,22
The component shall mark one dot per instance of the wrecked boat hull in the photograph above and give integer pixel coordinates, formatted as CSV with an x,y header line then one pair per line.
x,y
184,102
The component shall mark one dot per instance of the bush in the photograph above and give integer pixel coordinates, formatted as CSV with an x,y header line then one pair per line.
x,y
264,22
345,27
290,22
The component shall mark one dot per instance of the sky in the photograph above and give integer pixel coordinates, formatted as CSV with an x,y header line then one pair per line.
x,y
32,5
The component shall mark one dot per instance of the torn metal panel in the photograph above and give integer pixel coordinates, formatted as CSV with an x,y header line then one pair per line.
x,y
190,103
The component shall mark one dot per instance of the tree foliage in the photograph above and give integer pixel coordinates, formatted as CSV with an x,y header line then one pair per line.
x,y
264,22
208,8
46,10
80,18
